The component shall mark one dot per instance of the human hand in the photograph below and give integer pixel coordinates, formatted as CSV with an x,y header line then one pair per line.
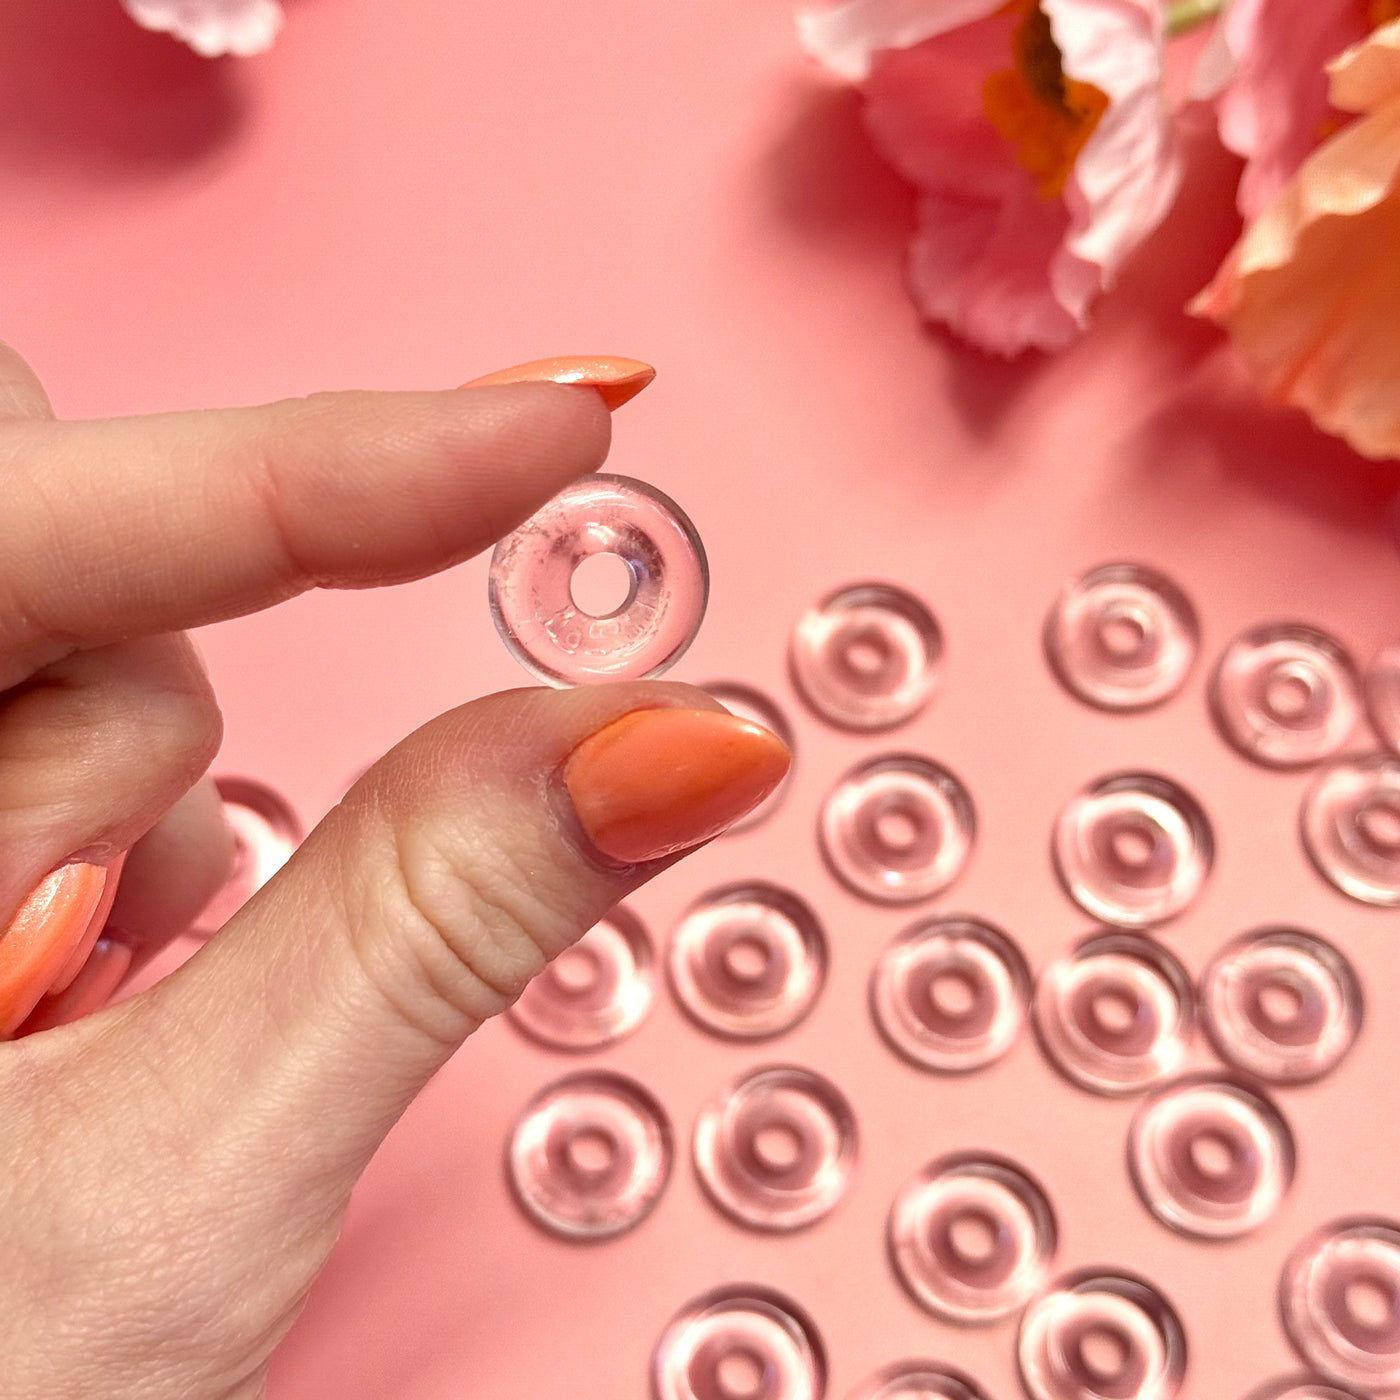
x,y
174,1169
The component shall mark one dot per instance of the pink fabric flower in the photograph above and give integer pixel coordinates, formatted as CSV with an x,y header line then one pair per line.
x,y
1266,68
212,27
1037,137
1311,292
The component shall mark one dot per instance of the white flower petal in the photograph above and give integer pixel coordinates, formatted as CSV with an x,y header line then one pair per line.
x,y
845,36
212,27
1128,173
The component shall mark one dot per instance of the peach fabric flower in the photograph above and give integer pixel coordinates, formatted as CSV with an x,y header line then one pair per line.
x,y
212,27
1265,67
1037,136
1311,292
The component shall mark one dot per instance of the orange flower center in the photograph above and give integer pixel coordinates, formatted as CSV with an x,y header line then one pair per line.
x,y
1046,116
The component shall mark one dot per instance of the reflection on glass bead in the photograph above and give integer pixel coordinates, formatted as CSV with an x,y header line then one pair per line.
x,y
741,1342
1115,1014
1300,1388
1133,849
1340,1295
592,994
1351,828
536,574
775,1150
1100,1336
590,1155
1121,637
748,703
918,1380
1282,1005
867,656
971,1237
1383,696
265,833
897,829
950,994
1286,695
1210,1158
748,960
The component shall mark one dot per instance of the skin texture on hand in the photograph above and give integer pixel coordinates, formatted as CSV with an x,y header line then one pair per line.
x,y
163,1209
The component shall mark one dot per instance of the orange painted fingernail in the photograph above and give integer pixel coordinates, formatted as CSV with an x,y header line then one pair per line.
x,y
658,781
79,955
616,378
46,932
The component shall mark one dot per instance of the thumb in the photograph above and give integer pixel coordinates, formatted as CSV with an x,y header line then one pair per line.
x,y
479,848
267,1069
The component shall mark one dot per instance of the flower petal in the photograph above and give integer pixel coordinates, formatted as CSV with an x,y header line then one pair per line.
x,y
1003,266
1129,170
1219,60
1368,73
845,37
212,27
1311,293
1274,108
924,110
983,269
980,258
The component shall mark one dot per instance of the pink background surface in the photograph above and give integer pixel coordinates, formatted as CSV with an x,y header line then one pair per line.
x,y
408,195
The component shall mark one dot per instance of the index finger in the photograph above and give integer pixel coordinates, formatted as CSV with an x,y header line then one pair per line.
x,y
143,525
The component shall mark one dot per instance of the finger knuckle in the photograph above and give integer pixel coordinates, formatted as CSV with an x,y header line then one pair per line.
x,y
475,921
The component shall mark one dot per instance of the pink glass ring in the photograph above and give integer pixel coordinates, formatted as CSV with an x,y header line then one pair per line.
x,y
1132,849
1101,1336
590,1156
1115,1013
748,960
741,1342
1281,1004
867,656
1210,1158
1286,695
1121,637
1351,827
1383,696
592,994
265,833
950,994
971,1237
775,1150
1340,1299
1300,1388
897,829
607,582
918,1380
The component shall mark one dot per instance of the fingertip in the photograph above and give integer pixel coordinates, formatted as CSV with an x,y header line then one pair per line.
x,y
574,419
21,393
42,943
